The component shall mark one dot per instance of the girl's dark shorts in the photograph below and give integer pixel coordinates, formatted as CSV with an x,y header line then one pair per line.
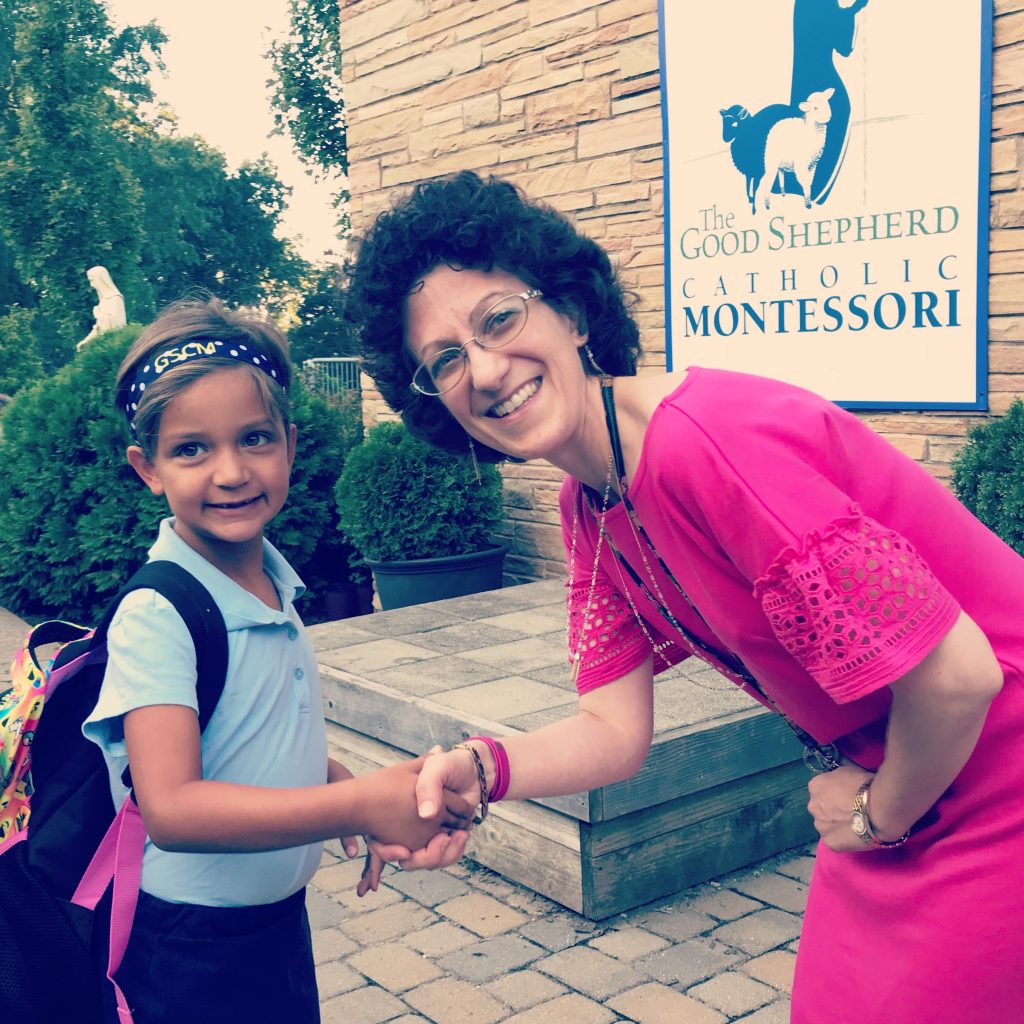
x,y
211,965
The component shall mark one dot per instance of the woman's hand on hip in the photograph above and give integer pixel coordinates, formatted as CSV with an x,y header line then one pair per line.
x,y
831,804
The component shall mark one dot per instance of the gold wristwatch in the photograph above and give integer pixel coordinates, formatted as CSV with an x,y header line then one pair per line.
x,y
860,821
859,814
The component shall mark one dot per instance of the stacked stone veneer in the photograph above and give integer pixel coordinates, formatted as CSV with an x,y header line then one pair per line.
x,y
562,96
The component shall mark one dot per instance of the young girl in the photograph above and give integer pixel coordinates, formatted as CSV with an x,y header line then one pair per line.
x,y
235,818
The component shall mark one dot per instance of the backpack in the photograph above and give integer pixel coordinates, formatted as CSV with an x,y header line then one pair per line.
x,y
62,840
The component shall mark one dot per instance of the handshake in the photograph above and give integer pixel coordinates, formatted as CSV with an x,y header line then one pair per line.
x,y
421,811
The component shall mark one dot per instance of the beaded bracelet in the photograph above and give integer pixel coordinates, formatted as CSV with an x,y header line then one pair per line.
x,y
481,778
502,775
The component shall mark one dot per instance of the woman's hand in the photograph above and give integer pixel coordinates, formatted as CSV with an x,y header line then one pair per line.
x,y
446,773
440,852
831,804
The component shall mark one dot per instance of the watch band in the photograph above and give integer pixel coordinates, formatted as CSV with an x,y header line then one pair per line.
x,y
859,814
860,821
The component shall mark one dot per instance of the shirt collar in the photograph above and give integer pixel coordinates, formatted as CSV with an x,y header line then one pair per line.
x,y
240,608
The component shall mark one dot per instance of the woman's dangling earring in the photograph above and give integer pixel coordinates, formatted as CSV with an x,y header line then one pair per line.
x,y
592,361
472,455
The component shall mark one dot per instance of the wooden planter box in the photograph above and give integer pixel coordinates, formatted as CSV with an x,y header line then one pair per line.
x,y
723,786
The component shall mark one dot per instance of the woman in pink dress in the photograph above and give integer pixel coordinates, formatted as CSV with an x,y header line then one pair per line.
x,y
757,526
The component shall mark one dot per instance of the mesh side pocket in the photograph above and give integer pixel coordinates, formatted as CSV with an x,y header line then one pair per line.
x,y
48,972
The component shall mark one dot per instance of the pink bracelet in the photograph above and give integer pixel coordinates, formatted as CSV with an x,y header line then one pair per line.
x,y
502,775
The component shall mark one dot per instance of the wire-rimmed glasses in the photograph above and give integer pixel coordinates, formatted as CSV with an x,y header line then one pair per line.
x,y
497,326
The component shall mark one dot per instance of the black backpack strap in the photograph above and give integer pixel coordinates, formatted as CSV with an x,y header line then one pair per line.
x,y
194,603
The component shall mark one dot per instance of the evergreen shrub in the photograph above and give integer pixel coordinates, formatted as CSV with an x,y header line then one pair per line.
x,y
401,498
75,520
988,475
19,356
306,529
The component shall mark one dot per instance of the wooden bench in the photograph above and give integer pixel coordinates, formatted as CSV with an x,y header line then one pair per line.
x,y
723,786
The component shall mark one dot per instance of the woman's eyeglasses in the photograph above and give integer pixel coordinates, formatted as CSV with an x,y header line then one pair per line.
x,y
497,326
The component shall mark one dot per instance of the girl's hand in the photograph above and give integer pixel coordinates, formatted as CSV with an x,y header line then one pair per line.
x,y
831,804
393,813
446,847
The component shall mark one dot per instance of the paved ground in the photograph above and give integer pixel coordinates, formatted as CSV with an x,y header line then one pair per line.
x,y
12,633
465,946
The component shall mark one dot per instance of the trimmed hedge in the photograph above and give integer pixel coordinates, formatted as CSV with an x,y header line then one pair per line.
x,y
988,475
401,498
75,520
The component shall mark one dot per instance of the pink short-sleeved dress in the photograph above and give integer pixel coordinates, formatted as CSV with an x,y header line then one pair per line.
x,y
832,564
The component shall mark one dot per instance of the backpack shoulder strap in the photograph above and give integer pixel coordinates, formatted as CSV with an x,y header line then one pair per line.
x,y
194,603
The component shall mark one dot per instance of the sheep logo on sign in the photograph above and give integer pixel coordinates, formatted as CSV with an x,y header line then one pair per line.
x,y
797,148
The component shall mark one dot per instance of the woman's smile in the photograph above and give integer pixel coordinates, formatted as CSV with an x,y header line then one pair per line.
x,y
516,400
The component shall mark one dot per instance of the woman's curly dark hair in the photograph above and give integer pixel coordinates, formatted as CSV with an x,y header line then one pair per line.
x,y
471,223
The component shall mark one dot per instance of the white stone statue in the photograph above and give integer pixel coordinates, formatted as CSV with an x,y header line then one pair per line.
x,y
109,312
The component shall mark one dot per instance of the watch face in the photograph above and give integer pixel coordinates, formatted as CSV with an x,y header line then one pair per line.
x,y
859,823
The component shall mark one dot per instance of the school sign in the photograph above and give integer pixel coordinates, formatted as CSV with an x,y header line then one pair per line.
x,y
826,192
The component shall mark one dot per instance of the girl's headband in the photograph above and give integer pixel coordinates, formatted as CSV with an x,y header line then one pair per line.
x,y
158,362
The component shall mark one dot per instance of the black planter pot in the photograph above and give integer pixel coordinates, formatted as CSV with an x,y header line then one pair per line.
x,y
345,600
419,580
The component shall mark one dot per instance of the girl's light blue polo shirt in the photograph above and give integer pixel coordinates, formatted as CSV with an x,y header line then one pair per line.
x,y
268,729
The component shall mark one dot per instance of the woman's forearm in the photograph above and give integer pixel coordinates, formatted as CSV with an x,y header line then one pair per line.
x,y
606,740
938,712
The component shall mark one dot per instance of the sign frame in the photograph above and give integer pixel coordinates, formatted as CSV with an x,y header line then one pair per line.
x,y
980,292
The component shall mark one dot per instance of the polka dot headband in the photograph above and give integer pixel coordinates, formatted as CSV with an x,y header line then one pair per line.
x,y
159,362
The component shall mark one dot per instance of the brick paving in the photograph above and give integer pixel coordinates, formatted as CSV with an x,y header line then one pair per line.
x,y
441,947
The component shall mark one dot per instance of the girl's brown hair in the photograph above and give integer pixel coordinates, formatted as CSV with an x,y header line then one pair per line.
x,y
195,319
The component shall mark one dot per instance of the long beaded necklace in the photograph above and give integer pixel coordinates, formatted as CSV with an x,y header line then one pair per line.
x,y
577,657
820,757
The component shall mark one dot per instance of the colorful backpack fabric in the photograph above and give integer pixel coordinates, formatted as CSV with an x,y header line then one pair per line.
x,y
65,849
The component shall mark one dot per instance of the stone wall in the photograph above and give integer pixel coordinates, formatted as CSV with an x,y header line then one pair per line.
x,y
562,97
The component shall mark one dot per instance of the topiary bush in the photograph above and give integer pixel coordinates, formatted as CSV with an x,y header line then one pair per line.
x,y
988,475
75,520
401,498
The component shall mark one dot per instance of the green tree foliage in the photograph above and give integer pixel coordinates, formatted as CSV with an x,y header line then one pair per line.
x,y
86,178
13,291
75,521
307,93
250,210
401,498
988,475
67,199
307,530
19,359
207,228
322,329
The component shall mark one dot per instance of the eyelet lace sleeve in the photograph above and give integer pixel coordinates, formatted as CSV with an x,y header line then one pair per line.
x,y
612,641
856,606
